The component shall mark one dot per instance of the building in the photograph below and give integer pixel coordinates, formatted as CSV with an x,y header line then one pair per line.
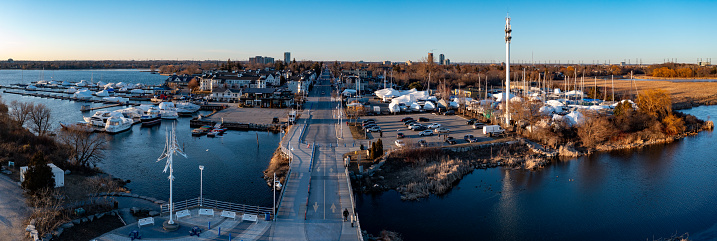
x,y
287,57
441,59
448,62
59,174
261,60
228,95
267,98
10,61
430,58
386,62
360,72
409,63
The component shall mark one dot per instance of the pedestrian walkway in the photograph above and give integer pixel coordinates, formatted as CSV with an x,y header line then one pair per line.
x,y
12,210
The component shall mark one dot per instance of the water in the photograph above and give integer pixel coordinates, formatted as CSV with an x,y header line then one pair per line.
x,y
621,195
233,163
133,76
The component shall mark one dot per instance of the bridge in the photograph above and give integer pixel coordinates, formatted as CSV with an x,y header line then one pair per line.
x,y
318,189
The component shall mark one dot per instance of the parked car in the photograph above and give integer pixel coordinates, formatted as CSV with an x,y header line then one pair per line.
x,y
419,128
478,125
406,118
442,130
400,143
423,119
450,140
400,135
369,121
422,143
450,112
468,137
373,129
434,126
412,126
409,122
369,126
492,130
473,140
471,121
426,133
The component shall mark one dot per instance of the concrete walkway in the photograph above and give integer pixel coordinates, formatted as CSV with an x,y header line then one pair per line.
x,y
317,191
12,210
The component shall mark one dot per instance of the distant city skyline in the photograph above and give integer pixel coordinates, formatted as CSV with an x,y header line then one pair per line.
x,y
371,31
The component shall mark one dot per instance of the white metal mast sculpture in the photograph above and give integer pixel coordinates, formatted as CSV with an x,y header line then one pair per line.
x,y
507,70
170,148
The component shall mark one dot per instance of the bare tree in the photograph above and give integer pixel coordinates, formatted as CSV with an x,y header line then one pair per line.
x,y
86,149
20,111
595,129
40,116
46,210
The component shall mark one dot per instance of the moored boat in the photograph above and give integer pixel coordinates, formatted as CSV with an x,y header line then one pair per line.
x,y
151,117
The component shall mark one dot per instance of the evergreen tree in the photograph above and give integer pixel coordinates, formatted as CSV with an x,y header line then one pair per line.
x,y
38,175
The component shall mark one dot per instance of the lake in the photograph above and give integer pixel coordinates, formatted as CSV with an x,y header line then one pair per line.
x,y
233,163
639,194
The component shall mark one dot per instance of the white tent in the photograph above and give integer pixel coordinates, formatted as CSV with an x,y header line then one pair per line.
x,y
554,103
59,175
71,90
137,91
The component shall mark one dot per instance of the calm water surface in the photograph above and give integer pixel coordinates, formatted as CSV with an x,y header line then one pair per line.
x,y
233,163
622,195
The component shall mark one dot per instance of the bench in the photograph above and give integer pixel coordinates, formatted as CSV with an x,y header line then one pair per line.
x,y
249,217
145,221
208,212
228,214
183,213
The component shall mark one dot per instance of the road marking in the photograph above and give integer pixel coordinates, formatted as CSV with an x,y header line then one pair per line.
x,y
331,169
333,208
316,206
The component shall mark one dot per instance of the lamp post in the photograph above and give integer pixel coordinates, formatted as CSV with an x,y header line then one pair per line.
x,y
274,187
201,185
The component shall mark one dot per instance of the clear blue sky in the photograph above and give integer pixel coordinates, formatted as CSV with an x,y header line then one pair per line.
x,y
465,31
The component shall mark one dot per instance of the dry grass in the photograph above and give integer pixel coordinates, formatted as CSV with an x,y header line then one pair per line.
x,y
357,132
279,164
681,92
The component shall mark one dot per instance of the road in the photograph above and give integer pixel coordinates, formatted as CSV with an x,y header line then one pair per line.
x,y
12,210
317,191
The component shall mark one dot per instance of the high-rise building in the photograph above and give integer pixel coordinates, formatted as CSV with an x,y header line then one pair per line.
x,y
441,59
261,60
448,62
430,58
287,57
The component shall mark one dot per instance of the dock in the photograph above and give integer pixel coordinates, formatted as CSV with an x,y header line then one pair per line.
x,y
245,119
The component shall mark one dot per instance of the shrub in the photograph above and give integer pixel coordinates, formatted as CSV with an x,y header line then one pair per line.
x,y
673,125
38,175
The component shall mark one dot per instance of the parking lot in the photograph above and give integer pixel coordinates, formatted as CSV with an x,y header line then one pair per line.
x,y
392,124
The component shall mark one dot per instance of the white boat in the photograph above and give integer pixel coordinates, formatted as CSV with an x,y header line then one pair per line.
x,y
151,117
118,124
168,111
100,117
79,126
186,108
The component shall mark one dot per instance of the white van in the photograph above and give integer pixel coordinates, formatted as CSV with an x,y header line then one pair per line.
x,y
492,130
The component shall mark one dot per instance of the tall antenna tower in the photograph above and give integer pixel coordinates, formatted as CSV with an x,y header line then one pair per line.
x,y
170,148
507,69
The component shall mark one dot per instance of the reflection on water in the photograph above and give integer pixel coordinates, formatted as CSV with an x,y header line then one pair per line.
x,y
621,195
233,163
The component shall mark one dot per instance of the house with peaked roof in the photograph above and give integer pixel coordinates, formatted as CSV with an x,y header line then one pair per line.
x,y
227,95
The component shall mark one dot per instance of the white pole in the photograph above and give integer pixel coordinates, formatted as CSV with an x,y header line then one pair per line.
x,y
201,185
274,188
171,204
507,70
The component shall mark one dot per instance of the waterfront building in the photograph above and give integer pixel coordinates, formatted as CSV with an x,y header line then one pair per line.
x,y
228,95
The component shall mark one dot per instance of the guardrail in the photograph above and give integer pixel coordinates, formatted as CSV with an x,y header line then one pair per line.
x,y
311,166
283,188
227,206
353,204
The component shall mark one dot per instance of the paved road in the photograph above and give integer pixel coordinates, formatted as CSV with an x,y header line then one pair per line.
x,y
317,191
12,210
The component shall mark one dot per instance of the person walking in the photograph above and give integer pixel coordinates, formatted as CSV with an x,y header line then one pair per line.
x,y
346,214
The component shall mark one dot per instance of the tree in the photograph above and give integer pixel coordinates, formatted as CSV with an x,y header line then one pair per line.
x,y
654,102
282,80
673,125
38,175
86,149
40,116
193,84
415,85
20,111
594,129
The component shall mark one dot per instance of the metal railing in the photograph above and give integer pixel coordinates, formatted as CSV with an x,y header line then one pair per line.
x,y
226,206
353,204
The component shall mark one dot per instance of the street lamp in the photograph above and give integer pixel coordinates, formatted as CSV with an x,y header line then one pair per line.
x,y
274,187
201,185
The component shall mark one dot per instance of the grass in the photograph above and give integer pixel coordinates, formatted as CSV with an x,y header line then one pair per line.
x,y
279,164
357,132
681,92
